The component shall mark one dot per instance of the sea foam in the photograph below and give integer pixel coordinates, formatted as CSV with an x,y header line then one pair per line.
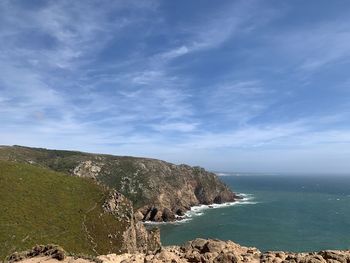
x,y
247,199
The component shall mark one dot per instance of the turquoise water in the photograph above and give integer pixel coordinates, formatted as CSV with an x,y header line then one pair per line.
x,y
291,213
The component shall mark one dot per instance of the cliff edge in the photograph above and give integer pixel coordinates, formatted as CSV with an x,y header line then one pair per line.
x,y
39,205
158,190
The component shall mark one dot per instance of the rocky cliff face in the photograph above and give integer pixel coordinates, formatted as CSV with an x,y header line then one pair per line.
x,y
136,238
159,190
173,189
196,251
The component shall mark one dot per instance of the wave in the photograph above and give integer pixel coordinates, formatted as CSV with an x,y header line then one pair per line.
x,y
223,174
247,199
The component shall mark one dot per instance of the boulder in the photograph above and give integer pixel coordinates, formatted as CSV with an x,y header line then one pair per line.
x,y
168,215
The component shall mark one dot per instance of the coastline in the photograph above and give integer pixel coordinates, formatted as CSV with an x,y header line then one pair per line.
x,y
199,210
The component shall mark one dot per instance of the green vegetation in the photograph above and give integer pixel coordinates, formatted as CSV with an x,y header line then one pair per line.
x,y
118,172
146,182
40,206
124,175
57,160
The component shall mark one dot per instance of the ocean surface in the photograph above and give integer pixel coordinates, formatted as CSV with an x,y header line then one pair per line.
x,y
293,213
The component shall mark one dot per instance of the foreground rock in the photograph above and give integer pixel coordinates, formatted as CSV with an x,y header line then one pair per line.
x,y
202,251
159,190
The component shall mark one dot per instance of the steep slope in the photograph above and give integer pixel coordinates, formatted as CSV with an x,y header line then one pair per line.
x,y
158,190
38,205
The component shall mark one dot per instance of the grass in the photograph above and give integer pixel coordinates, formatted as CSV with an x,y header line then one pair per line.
x,y
128,175
132,185
40,206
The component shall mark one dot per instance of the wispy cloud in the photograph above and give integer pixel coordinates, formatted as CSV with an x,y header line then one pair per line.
x,y
317,46
224,24
41,73
128,78
238,101
176,126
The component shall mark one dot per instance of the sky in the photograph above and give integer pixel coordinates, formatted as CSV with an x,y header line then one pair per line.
x,y
243,86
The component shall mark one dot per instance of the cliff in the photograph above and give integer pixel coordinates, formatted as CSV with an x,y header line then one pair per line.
x,y
159,190
39,205
196,251
135,237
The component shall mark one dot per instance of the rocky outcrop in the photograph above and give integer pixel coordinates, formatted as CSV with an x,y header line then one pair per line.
x,y
49,251
198,250
216,251
87,169
136,238
210,251
178,187
159,190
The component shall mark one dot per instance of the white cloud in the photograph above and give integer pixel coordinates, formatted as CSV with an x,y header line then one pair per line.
x,y
60,96
177,52
237,18
317,46
176,126
238,101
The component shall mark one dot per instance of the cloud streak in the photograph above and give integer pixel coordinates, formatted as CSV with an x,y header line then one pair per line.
x,y
139,79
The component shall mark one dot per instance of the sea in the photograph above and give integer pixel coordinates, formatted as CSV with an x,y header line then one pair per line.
x,y
277,212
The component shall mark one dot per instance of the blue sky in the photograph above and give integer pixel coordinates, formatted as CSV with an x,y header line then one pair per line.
x,y
255,86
